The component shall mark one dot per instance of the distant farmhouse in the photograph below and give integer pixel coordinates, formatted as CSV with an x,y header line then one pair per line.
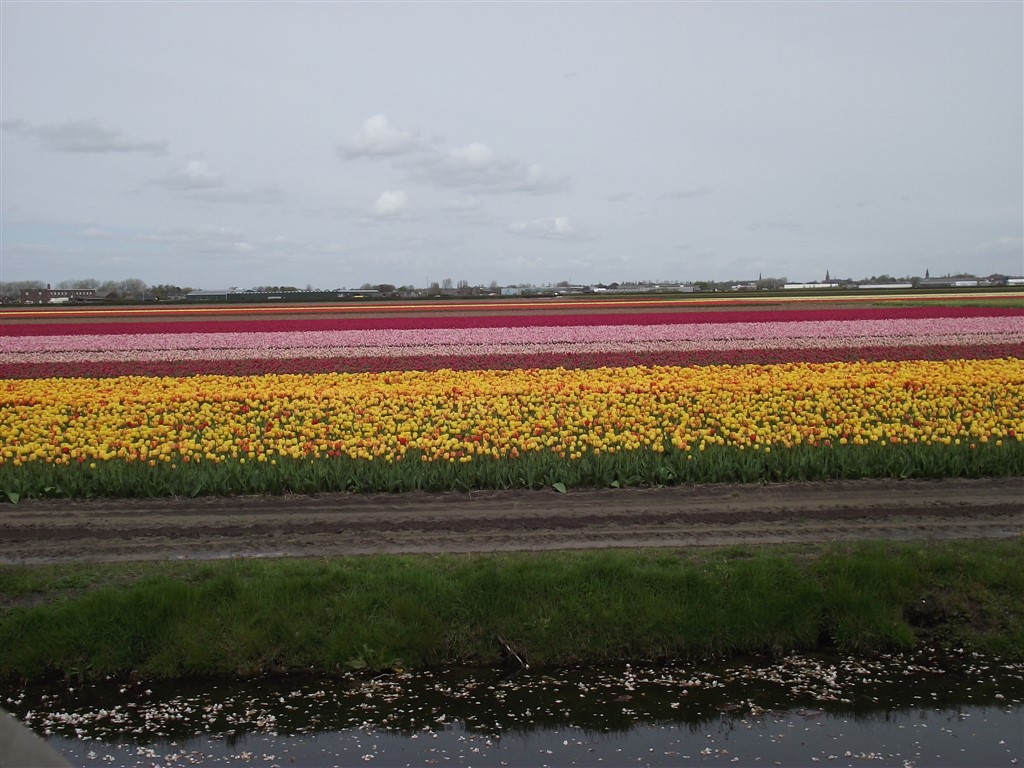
x,y
50,295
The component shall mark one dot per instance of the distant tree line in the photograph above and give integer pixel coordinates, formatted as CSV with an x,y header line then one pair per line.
x,y
131,289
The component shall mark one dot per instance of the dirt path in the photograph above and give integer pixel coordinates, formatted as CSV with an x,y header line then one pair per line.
x,y
347,524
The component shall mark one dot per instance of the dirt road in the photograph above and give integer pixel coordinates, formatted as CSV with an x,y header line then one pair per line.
x,y
55,531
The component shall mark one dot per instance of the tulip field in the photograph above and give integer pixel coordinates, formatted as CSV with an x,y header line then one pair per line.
x,y
190,401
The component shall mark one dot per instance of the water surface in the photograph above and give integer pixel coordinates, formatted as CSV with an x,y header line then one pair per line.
x,y
800,710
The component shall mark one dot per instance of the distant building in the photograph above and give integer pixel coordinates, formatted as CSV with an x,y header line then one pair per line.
x,y
947,282
806,286
234,296
50,295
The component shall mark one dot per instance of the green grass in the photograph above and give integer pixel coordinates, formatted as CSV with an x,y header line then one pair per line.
x,y
249,616
646,467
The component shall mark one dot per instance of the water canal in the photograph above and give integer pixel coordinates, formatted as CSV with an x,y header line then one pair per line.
x,y
896,710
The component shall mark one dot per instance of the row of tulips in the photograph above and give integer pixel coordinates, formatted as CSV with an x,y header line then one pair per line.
x,y
508,360
450,415
935,392
494,348
703,336
510,346
258,323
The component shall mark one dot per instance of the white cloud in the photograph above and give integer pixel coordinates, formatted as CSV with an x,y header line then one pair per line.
x,y
478,168
195,176
90,233
270,194
197,181
772,224
87,136
685,194
558,228
205,239
378,138
1001,245
207,232
462,204
391,204
474,155
475,167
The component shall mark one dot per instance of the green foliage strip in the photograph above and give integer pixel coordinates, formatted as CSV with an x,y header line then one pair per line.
x,y
644,467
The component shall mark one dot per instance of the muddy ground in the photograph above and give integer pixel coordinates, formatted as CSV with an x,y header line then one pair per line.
x,y
58,531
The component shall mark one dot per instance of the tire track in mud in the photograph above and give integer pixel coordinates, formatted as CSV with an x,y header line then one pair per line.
x,y
57,531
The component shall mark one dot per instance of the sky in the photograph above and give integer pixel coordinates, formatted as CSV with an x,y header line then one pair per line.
x,y
333,144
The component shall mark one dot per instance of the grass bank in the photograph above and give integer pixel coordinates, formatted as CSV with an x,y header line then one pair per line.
x,y
251,616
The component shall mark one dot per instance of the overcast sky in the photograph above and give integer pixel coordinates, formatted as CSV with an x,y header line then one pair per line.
x,y
334,144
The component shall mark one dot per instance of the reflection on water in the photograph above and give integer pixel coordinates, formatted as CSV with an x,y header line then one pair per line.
x,y
801,710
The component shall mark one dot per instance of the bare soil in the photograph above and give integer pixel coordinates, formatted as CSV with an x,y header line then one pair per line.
x,y
124,530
